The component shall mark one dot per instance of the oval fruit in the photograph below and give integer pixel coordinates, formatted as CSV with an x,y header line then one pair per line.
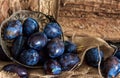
x,y
70,47
92,57
37,40
18,46
68,60
53,30
21,71
13,29
29,57
30,26
110,67
52,67
55,47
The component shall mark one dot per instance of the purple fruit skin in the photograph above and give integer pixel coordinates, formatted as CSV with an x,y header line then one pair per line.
x,y
70,47
52,67
92,57
53,30
21,71
110,68
55,48
29,57
68,60
13,30
30,26
18,46
37,40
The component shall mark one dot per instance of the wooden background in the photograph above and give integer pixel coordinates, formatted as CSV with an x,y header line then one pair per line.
x,y
7,7
99,18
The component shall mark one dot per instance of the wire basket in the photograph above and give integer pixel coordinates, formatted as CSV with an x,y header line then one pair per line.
x,y
42,20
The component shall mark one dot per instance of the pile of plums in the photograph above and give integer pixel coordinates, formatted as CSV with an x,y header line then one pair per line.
x,y
110,67
33,47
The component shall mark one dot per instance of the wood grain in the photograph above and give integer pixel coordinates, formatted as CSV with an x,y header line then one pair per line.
x,y
7,7
99,18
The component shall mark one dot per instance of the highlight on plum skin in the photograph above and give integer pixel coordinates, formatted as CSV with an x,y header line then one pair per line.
x,y
92,57
68,60
110,68
53,30
30,26
13,29
14,68
37,40
52,67
29,57
55,47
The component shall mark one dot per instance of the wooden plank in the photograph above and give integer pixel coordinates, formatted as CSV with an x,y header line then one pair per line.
x,y
7,7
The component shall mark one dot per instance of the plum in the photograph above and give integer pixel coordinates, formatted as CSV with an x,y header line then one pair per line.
x,y
52,67
92,57
29,57
53,30
30,26
68,60
18,46
55,47
110,68
13,30
14,68
37,40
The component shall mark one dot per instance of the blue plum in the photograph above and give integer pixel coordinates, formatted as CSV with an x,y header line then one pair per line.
x,y
37,40
53,30
18,46
70,47
92,57
55,48
117,54
68,60
52,67
13,29
29,57
30,26
110,68
14,68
